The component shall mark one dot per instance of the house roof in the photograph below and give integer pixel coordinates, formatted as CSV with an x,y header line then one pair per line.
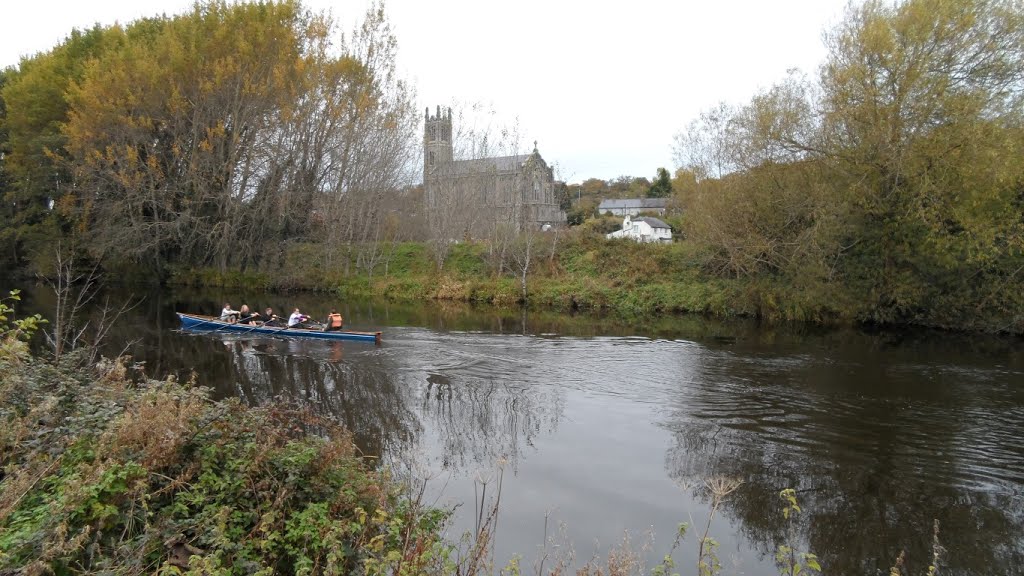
x,y
633,204
652,222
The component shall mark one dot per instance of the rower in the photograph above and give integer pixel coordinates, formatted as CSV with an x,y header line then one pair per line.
x,y
296,319
228,315
271,319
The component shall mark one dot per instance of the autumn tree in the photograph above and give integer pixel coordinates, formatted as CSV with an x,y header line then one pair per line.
x,y
370,154
34,160
895,175
6,210
765,215
219,136
593,187
922,112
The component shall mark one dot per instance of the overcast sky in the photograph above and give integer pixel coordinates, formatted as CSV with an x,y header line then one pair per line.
x,y
601,87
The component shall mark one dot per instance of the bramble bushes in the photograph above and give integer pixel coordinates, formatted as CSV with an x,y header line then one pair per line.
x,y
102,474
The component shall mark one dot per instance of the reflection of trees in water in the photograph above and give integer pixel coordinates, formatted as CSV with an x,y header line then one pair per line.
x,y
475,421
871,473
363,397
479,421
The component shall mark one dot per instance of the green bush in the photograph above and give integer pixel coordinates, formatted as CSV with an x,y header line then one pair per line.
x,y
103,475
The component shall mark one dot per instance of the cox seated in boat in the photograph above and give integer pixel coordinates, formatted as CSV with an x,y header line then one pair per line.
x,y
334,321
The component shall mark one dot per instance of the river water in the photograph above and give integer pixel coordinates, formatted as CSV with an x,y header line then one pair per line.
x,y
595,427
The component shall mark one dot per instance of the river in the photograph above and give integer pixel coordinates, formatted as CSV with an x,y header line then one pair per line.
x,y
597,427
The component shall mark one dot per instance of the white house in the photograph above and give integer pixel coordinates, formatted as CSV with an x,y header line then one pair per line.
x,y
644,229
633,206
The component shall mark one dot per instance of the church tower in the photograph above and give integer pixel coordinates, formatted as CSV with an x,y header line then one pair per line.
x,y
437,141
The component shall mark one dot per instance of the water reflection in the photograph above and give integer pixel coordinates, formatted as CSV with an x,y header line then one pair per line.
x,y
877,446
602,417
480,395
388,395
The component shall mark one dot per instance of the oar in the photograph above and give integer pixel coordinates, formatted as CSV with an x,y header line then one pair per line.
x,y
265,326
275,329
229,324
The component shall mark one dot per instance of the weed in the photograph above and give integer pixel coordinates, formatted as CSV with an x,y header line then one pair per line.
x,y
790,561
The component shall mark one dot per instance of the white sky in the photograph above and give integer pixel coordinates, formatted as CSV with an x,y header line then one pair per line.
x,y
602,86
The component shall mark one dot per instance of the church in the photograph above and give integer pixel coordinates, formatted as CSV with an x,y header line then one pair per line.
x,y
477,194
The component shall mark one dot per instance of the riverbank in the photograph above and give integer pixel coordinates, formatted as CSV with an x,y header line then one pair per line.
x,y
580,271
389,398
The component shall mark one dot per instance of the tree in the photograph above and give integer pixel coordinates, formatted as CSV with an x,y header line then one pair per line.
x,y
684,185
218,136
662,186
593,187
35,105
923,108
895,177
8,249
373,153
703,147
769,214
564,196
629,186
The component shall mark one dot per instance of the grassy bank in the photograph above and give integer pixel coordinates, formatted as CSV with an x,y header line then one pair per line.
x,y
583,273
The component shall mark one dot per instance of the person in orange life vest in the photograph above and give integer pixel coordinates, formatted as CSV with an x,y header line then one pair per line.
x,y
334,321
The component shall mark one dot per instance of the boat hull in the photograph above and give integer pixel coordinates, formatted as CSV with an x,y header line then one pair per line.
x,y
212,324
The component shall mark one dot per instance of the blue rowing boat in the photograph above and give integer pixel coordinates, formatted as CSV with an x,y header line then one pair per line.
x,y
213,324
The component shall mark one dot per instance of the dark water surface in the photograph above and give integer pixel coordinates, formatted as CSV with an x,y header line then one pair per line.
x,y
602,427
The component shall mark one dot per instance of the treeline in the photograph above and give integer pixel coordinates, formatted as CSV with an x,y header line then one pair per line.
x,y
211,138
892,184
580,201
887,188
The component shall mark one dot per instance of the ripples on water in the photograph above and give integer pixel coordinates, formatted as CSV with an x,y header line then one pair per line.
x,y
879,434
909,440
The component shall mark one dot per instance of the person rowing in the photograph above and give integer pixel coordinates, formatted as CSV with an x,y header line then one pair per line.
x,y
247,316
228,314
271,319
297,319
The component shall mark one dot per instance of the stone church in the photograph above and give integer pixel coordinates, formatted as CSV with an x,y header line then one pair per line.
x,y
518,190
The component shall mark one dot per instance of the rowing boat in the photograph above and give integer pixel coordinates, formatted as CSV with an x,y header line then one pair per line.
x,y
201,323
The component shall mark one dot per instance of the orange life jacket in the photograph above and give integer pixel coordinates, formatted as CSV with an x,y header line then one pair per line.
x,y
334,320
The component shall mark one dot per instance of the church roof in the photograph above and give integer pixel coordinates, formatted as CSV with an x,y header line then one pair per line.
x,y
497,164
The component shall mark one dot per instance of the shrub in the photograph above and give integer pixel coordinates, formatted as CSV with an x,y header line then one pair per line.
x,y
103,474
